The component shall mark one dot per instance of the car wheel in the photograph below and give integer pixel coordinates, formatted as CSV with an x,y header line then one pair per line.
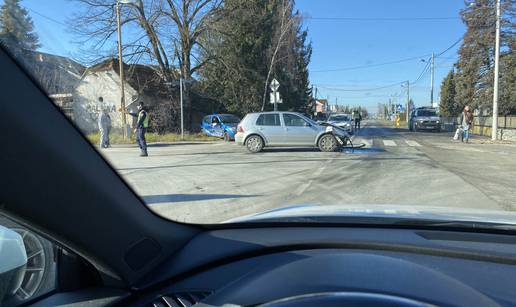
x,y
254,143
226,137
328,143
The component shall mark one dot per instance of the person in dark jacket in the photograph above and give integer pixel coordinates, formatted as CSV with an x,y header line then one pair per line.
x,y
142,123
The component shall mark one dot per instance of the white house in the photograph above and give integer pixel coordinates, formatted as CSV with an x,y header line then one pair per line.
x,y
142,83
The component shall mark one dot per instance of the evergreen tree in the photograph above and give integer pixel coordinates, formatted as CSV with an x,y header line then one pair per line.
x,y
474,70
448,105
16,27
241,43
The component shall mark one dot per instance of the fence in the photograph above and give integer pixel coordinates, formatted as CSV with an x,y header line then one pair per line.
x,y
482,126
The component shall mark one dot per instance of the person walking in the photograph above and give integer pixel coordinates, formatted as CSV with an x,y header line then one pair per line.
x,y
142,123
466,122
104,127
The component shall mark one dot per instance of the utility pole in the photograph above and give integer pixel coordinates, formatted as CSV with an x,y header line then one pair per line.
x,y
181,100
121,69
390,109
432,80
494,128
408,101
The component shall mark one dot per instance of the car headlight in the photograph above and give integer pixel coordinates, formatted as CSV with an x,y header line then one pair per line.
x,y
437,122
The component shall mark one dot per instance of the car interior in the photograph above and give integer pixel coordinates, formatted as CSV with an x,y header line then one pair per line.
x,y
112,250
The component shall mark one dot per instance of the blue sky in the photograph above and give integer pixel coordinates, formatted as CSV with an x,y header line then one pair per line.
x,y
337,44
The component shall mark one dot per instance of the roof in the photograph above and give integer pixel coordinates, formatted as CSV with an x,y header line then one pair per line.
x,y
143,78
55,74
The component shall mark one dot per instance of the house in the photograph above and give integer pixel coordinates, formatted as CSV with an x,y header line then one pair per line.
x,y
321,106
142,83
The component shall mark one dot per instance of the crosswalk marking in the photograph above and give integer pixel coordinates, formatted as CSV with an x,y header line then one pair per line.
x,y
412,143
389,143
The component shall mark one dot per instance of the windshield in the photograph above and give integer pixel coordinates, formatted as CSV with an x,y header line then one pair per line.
x,y
426,113
229,119
149,83
342,118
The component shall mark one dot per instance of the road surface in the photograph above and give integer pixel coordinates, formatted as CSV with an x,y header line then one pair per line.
x,y
214,182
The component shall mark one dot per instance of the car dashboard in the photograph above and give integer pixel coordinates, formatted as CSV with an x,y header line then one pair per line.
x,y
340,266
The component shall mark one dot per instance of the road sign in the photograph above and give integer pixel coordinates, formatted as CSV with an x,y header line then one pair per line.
x,y
275,85
275,98
400,108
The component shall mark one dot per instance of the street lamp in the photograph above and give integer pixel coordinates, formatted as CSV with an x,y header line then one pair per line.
x,y
119,3
494,125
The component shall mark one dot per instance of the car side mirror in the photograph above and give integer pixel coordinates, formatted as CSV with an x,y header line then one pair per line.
x,y
13,260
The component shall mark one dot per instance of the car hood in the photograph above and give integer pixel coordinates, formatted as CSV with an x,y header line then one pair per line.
x,y
338,122
427,118
347,213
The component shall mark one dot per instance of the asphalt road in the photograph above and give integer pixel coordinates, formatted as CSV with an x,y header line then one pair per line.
x,y
213,182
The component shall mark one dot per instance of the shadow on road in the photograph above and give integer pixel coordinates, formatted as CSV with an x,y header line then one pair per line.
x,y
173,198
290,149
178,144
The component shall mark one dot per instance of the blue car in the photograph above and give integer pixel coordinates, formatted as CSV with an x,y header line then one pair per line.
x,y
220,125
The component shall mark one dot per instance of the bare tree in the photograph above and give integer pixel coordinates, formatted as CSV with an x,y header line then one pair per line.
x,y
169,33
191,19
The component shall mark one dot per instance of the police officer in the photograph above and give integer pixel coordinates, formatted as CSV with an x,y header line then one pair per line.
x,y
104,126
142,123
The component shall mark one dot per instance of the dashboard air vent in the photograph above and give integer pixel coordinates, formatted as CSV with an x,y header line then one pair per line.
x,y
182,299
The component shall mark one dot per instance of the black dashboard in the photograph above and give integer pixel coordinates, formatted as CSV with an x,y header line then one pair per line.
x,y
319,266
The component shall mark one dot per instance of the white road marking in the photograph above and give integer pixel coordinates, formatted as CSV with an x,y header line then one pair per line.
x,y
302,188
389,143
412,143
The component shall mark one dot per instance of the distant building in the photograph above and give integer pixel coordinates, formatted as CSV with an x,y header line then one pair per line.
x,y
321,106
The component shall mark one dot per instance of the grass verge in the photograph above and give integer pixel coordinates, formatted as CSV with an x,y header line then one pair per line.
x,y
115,138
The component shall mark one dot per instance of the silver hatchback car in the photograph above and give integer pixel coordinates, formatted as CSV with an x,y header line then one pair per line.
x,y
287,129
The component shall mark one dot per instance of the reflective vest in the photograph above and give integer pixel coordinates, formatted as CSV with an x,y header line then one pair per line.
x,y
145,123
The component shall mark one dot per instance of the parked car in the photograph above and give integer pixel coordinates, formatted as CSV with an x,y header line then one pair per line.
x,y
424,119
220,125
341,120
258,130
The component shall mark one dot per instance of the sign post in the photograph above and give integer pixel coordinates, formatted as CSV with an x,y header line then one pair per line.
x,y
275,95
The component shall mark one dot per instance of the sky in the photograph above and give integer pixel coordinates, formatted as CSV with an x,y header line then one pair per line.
x,y
346,35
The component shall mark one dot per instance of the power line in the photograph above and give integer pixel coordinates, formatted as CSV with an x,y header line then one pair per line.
x,y
453,45
46,17
382,18
425,70
358,90
372,65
